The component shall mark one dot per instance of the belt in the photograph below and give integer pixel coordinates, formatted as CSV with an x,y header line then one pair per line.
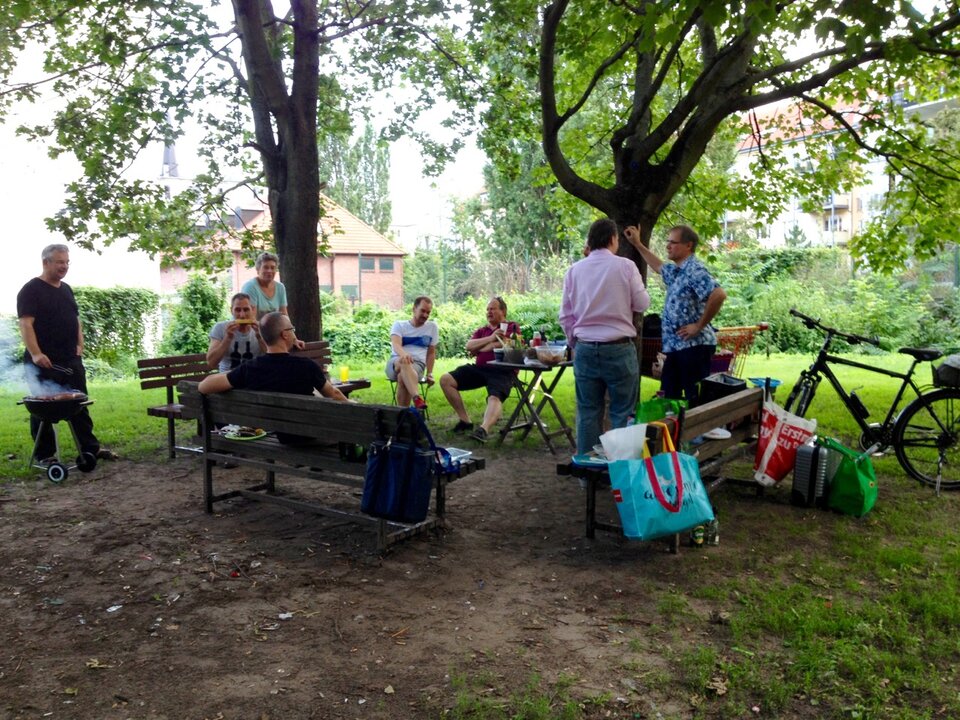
x,y
618,341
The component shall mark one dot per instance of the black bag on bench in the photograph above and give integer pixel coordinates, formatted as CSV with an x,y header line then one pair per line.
x,y
399,475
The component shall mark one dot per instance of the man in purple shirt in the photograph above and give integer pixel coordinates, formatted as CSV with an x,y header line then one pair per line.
x,y
601,293
497,381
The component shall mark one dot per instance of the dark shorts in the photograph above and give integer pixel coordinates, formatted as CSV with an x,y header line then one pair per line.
x,y
497,382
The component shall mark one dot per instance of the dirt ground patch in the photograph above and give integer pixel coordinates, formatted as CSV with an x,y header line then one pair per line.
x,y
121,598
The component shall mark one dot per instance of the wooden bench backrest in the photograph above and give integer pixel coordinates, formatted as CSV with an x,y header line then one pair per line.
x,y
720,412
309,416
316,350
168,371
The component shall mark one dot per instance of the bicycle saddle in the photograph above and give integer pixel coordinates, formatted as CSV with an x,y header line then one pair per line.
x,y
922,354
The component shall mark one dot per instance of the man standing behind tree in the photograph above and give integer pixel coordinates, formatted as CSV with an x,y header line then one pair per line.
x,y
414,344
601,293
693,300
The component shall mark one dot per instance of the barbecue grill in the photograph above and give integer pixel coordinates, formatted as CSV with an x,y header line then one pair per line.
x,y
49,410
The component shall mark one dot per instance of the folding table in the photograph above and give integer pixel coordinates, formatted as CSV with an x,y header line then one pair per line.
x,y
529,383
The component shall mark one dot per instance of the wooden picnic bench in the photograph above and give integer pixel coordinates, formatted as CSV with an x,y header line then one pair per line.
x,y
166,372
740,412
333,431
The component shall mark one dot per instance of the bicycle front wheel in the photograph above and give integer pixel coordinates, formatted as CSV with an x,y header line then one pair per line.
x,y
801,395
927,438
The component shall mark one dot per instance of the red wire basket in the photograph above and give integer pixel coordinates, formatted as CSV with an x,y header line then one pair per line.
x,y
733,346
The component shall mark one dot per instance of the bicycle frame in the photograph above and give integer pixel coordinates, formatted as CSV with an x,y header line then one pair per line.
x,y
821,368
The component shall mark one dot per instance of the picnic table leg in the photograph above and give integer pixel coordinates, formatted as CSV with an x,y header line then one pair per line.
x,y
171,438
208,464
591,505
440,505
271,481
511,425
535,420
548,398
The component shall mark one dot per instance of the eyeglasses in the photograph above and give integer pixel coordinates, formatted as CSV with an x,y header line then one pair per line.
x,y
677,242
291,329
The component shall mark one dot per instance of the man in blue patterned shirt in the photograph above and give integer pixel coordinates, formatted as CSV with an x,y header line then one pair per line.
x,y
693,299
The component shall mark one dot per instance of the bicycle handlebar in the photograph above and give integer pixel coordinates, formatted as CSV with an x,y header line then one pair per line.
x,y
815,324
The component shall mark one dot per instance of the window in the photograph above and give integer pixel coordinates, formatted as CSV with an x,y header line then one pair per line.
x,y
348,291
386,265
326,288
368,264
833,223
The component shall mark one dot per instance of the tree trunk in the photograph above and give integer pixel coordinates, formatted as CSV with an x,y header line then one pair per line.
x,y
296,211
285,123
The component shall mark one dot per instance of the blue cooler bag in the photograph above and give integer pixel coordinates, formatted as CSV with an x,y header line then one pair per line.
x,y
659,495
399,477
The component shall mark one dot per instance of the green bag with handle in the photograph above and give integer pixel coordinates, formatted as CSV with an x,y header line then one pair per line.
x,y
853,490
657,408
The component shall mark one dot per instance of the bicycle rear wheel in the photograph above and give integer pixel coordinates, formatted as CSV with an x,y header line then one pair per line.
x,y
801,395
927,438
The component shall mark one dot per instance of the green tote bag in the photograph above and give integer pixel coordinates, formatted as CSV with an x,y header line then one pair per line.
x,y
853,490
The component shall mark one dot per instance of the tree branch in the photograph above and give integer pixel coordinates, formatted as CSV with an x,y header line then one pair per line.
x,y
568,179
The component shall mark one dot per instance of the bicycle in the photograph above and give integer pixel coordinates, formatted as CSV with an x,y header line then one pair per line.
x,y
924,434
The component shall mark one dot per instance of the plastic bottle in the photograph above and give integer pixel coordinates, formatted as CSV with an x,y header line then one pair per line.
x,y
712,534
536,339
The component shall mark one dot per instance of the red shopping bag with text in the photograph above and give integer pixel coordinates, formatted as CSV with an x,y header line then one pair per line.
x,y
781,433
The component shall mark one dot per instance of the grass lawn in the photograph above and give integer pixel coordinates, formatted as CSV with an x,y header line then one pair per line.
x,y
842,618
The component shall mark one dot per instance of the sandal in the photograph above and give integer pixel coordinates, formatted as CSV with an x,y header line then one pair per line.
x,y
104,454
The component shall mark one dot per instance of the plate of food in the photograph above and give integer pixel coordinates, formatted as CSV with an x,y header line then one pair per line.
x,y
242,432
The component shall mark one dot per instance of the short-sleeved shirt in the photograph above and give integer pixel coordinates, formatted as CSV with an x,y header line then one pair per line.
x,y
416,340
245,346
279,372
264,304
56,320
688,287
486,331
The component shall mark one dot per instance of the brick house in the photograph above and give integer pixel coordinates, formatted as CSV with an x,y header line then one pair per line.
x,y
360,264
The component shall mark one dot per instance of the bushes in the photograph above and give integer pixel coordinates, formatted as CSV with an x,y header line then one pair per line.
x,y
116,321
764,285
366,333
202,305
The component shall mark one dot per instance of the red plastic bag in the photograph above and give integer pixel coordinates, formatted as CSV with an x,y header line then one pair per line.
x,y
781,433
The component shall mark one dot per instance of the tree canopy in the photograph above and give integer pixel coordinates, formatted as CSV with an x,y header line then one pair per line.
x,y
357,175
626,99
260,83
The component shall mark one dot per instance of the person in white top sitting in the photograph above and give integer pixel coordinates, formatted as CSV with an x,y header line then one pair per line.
x,y
414,351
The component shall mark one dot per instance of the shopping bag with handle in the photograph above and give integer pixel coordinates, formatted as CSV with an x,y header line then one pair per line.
x,y
781,433
657,408
853,490
659,495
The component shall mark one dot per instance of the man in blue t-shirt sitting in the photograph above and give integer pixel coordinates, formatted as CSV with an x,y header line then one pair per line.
x,y
277,370
414,350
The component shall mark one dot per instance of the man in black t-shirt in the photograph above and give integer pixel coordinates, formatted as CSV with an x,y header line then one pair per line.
x,y
277,371
50,328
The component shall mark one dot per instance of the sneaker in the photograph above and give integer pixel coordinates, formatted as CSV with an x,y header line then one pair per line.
x,y
462,427
419,403
480,435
